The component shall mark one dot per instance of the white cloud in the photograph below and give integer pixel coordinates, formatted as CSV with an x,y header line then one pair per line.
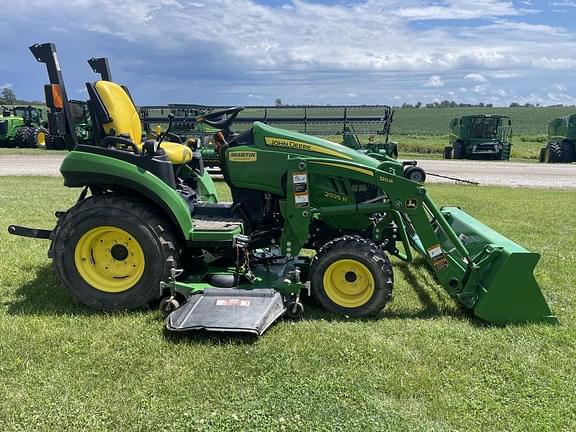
x,y
475,77
434,81
303,47
559,87
6,85
481,88
563,3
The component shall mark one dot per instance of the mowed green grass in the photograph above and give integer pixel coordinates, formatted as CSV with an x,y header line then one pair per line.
x,y
424,365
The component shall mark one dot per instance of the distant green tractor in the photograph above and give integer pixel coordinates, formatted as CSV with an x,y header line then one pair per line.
x,y
82,127
22,127
561,147
482,136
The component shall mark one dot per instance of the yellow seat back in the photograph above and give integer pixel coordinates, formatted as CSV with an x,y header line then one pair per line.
x,y
125,118
126,121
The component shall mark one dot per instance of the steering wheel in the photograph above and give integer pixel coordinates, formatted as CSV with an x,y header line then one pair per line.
x,y
219,119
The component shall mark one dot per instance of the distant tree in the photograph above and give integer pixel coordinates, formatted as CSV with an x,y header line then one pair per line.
x,y
514,105
8,96
418,105
489,105
278,102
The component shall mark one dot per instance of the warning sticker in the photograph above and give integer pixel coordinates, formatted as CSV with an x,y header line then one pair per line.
x,y
301,197
439,261
233,302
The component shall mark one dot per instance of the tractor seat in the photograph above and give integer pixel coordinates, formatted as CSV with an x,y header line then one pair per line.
x,y
122,119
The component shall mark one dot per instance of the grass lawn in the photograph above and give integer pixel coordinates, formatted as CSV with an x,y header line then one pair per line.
x,y
424,365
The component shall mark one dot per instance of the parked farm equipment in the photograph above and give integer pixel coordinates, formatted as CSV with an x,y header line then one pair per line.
x,y
561,147
480,137
81,123
22,126
364,128
149,225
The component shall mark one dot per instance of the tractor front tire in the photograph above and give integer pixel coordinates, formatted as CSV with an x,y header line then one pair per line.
x,y
113,253
22,137
351,276
554,153
458,150
542,155
416,174
447,152
38,138
568,151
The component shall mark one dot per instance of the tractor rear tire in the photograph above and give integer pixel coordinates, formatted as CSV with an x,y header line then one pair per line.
x,y
447,152
38,138
458,150
351,276
568,151
22,137
54,142
542,155
554,153
113,253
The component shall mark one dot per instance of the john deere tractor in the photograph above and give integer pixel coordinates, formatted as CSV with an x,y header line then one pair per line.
x,y
81,123
487,137
561,147
149,225
22,126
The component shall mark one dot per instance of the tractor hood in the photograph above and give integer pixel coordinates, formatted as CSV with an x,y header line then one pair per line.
x,y
269,137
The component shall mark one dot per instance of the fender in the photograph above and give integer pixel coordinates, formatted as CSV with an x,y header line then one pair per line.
x,y
84,169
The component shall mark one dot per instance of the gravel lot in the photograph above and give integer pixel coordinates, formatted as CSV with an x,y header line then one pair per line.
x,y
486,173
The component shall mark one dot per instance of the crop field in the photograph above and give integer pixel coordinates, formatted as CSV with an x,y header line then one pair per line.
x,y
424,365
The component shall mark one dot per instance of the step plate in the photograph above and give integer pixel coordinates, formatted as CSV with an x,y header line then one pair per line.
x,y
228,310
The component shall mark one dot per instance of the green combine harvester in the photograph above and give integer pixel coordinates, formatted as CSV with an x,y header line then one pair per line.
x,y
561,147
148,225
365,128
23,127
484,137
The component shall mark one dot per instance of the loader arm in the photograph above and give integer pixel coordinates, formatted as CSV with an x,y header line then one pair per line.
x,y
488,277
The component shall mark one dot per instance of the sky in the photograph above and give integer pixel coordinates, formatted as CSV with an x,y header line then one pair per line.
x,y
250,52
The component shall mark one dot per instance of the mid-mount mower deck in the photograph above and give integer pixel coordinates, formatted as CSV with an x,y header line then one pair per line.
x,y
148,224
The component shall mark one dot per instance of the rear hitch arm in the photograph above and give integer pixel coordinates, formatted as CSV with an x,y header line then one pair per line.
x,y
29,232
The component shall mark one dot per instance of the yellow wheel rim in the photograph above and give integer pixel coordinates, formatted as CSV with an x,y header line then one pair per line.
x,y
41,139
348,283
109,259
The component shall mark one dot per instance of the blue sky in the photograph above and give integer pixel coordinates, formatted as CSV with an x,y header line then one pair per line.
x,y
339,52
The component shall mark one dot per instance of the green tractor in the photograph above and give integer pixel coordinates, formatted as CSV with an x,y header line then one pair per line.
x,y
149,226
22,126
483,136
82,126
561,147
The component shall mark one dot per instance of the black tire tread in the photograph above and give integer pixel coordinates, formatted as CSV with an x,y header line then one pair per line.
x,y
370,251
568,151
554,153
22,137
147,214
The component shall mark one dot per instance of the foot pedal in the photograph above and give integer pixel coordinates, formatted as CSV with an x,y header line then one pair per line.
x,y
228,310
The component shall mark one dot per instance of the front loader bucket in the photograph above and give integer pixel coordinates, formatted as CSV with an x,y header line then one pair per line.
x,y
505,289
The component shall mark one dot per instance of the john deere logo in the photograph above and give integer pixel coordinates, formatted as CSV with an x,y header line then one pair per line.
x,y
298,145
243,156
279,142
411,204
